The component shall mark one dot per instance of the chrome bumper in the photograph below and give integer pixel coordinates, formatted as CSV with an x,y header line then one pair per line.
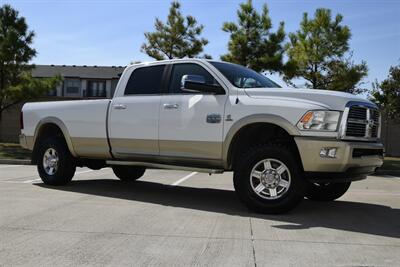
x,y
309,149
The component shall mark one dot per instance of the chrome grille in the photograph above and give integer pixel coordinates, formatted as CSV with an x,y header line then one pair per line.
x,y
362,122
359,113
355,129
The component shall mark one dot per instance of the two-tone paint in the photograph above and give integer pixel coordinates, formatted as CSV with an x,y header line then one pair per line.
x,y
173,128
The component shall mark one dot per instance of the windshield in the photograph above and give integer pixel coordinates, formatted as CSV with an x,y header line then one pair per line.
x,y
243,77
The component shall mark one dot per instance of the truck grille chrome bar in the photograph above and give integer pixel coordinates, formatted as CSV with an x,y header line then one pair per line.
x,y
361,121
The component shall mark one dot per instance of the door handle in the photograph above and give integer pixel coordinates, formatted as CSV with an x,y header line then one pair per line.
x,y
171,106
119,106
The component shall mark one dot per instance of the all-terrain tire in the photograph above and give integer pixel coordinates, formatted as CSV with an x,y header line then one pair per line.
x,y
56,165
244,183
128,173
326,192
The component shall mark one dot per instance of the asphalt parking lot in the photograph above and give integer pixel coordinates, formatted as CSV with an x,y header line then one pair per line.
x,y
177,218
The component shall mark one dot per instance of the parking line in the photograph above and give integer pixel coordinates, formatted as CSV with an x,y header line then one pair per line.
x,y
38,179
85,171
35,180
391,176
31,181
184,178
8,166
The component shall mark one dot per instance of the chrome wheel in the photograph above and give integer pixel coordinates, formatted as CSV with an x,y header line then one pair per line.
x,y
50,161
270,178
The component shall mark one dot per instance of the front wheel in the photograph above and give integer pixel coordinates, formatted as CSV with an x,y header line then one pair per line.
x,y
56,166
326,191
268,179
128,173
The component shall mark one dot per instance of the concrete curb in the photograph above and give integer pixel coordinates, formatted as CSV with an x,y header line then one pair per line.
x,y
388,172
16,161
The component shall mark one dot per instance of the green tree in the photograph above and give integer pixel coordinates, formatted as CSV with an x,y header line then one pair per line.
x,y
177,38
16,82
319,53
387,94
252,43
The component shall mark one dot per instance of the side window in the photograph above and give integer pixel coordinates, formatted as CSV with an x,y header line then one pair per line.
x,y
179,70
145,81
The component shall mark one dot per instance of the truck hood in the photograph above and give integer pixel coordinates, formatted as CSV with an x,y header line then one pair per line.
x,y
328,99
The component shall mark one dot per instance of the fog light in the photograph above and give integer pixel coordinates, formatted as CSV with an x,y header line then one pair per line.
x,y
328,152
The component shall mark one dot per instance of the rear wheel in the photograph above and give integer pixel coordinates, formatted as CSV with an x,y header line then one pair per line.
x,y
268,179
128,173
326,191
56,166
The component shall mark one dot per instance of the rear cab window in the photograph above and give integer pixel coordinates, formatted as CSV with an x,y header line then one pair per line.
x,y
145,81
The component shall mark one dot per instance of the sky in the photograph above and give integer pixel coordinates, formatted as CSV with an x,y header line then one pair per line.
x,y
110,33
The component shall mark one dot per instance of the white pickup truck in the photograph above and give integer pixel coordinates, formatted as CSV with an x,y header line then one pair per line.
x,y
282,144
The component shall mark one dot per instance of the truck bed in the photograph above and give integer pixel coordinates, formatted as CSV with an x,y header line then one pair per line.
x,y
83,120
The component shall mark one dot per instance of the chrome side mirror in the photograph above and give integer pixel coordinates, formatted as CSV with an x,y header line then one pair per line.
x,y
187,80
197,84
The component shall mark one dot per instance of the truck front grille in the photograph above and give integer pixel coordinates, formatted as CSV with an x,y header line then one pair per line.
x,y
355,129
362,122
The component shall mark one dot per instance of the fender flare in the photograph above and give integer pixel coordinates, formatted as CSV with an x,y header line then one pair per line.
x,y
251,119
59,124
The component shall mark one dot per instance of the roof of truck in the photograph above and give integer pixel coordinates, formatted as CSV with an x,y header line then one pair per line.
x,y
89,72
170,61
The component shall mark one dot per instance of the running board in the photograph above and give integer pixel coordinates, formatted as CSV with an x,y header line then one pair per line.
x,y
162,166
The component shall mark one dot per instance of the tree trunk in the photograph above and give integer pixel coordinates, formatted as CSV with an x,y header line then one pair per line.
x,y
386,132
314,78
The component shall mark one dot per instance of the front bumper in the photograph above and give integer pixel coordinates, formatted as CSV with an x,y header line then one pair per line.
x,y
353,160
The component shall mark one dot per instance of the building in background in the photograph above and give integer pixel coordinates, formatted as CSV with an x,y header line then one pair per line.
x,y
81,81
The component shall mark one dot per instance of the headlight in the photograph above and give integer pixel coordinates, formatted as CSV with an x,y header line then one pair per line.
x,y
319,120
